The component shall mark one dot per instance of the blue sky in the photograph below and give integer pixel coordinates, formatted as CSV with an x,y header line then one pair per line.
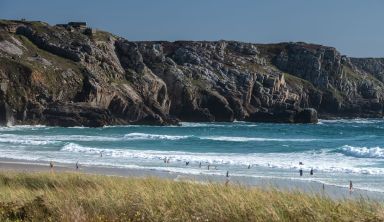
x,y
354,27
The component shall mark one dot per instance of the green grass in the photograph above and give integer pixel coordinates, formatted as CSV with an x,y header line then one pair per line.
x,y
79,197
101,36
356,77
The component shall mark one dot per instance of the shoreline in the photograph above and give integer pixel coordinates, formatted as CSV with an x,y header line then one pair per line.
x,y
282,184
181,122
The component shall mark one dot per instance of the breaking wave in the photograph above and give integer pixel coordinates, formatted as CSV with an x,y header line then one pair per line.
x,y
363,152
145,136
322,161
249,139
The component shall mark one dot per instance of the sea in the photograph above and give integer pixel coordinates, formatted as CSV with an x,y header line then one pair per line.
x,y
338,151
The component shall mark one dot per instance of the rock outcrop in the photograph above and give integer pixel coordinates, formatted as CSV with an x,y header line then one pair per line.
x,y
66,76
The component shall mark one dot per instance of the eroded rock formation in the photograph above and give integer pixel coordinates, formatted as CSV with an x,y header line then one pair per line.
x,y
64,76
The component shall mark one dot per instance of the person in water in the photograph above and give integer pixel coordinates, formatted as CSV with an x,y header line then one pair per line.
x,y
311,172
249,166
227,174
200,165
350,186
301,172
187,163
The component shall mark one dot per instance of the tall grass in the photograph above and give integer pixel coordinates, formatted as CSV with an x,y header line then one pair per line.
x,y
80,197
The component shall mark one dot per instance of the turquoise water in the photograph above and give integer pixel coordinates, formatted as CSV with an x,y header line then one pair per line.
x,y
337,150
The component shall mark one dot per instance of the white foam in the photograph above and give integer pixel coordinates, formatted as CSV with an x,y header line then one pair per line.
x,y
145,136
352,121
26,141
23,127
363,152
324,161
54,139
192,124
215,124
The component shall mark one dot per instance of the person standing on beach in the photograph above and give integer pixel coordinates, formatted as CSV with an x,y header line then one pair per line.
x,y
51,166
350,186
227,178
77,165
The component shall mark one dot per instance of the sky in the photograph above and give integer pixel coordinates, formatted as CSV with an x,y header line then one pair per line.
x,y
354,27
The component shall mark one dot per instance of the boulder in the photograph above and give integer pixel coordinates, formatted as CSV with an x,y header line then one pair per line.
x,y
308,115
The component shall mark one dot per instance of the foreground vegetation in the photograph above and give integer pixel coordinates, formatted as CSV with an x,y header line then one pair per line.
x,y
79,197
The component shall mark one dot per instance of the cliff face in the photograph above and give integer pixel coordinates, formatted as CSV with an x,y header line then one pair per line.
x,y
70,76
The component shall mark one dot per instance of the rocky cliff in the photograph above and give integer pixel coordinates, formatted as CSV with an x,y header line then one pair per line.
x,y
69,76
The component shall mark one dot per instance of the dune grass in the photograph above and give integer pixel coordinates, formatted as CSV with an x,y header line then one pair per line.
x,y
80,197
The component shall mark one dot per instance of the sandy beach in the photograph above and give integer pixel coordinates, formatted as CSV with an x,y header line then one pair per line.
x,y
315,188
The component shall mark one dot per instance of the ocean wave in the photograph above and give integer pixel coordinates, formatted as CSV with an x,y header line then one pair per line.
x,y
23,127
145,136
249,139
215,124
363,152
27,141
122,153
43,139
352,121
194,124
320,161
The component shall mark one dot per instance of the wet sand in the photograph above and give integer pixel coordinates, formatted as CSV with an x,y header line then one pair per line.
x,y
315,188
